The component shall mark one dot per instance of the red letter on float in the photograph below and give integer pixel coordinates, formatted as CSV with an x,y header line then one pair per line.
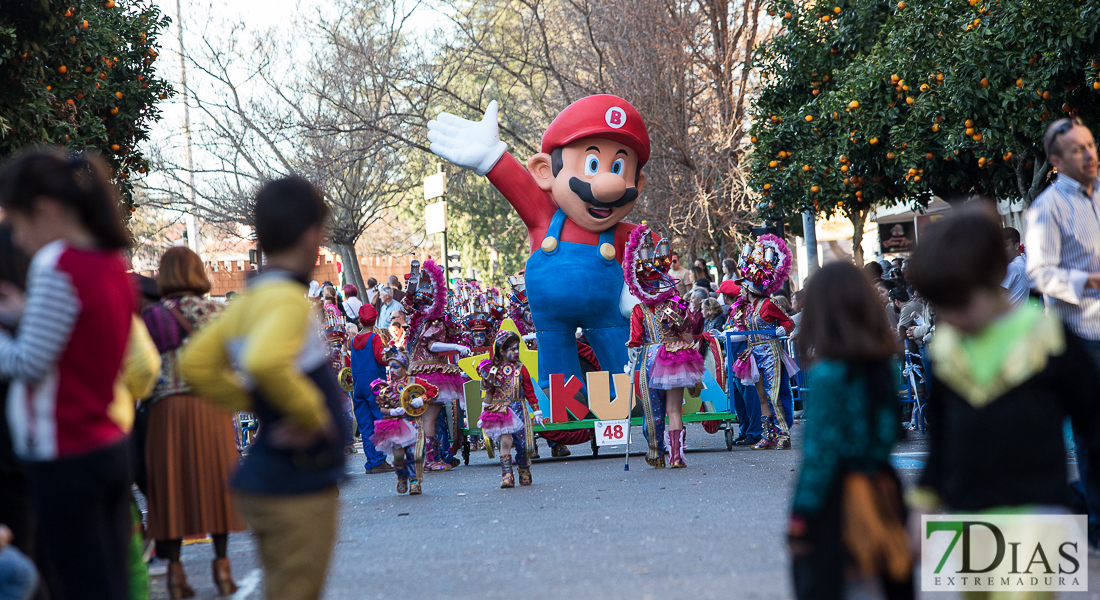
x,y
563,398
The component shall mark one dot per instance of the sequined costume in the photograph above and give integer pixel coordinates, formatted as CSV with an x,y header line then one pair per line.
x,y
391,433
507,384
763,268
661,337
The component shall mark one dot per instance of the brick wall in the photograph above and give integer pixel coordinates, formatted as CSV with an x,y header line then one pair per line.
x,y
232,275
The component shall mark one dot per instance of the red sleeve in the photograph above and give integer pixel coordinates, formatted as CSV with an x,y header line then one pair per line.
x,y
773,314
528,388
534,206
585,351
378,349
637,326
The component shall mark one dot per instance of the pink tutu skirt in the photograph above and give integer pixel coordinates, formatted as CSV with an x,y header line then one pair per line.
x,y
682,368
393,433
494,424
449,385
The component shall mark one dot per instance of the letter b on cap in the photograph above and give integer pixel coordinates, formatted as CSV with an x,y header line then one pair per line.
x,y
615,117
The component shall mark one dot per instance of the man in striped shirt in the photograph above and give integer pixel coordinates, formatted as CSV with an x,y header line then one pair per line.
x,y
1063,255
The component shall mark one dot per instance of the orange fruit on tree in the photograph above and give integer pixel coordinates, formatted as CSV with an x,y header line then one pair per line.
x,y
935,127
912,171
859,194
825,18
114,110
969,123
853,104
843,168
895,79
977,137
815,189
809,118
70,101
902,5
924,87
909,100
1046,95
984,82
114,147
981,162
806,168
890,155
816,92
917,179
767,186
873,141
773,164
930,156
84,25
1007,157
786,15
118,95
62,69
969,131
836,9
1096,85
1020,82
753,140
110,4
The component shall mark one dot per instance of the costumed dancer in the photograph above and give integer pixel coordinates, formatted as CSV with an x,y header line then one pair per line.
x,y
762,269
503,417
395,432
661,346
519,310
427,338
334,329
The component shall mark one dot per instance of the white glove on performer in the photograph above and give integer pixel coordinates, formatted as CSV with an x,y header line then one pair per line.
x,y
529,337
397,412
444,347
536,417
472,144
479,423
780,331
416,402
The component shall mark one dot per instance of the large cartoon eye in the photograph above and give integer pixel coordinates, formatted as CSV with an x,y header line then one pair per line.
x,y
591,164
618,166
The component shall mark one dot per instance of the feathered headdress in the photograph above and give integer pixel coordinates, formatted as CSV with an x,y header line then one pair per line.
x,y
429,286
765,265
645,267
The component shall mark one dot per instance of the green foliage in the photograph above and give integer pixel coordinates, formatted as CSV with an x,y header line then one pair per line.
x,y
79,73
919,70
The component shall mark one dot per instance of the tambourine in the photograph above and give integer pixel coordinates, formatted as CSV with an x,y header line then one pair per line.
x,y
411,392
345,379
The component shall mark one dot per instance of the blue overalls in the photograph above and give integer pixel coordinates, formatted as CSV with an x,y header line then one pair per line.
x,y
572,285
364,370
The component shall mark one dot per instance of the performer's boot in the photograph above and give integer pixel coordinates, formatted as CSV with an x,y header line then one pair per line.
x,y
507,479
402,484
525,475
782,438
768,436
414,487
676,453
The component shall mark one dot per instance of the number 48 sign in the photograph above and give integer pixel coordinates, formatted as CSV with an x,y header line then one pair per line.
x,y
611,433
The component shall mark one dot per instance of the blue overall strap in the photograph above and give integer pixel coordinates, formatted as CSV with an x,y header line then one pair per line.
x,y
607,237
554,231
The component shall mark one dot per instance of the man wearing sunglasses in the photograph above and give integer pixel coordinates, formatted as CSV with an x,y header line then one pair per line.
x,y
1063,257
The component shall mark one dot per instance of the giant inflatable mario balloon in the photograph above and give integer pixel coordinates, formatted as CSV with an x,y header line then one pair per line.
x,y
572,197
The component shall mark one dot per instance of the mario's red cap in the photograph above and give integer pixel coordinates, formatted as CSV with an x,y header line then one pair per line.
x,y
604,116
367,315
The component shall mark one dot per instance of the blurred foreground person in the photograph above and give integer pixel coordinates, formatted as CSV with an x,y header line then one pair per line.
x,y
190,448
63,363
995,367
847,528
270,339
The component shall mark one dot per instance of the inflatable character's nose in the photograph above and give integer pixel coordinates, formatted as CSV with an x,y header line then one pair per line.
x,y
607,187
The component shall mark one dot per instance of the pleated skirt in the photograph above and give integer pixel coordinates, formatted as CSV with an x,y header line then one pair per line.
x,y
191,454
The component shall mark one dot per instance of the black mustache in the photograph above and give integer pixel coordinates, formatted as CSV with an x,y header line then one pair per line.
x,y
584,190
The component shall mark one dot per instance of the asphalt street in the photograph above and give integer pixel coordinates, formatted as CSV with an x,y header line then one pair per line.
x,y
585,529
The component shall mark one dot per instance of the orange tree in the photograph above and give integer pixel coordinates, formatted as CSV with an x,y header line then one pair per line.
x,y
79,73
820,143
988,78
883,103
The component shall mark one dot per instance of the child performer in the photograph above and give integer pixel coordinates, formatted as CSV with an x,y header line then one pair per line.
x,y
763,268
661,346
395,432
427,338
503,417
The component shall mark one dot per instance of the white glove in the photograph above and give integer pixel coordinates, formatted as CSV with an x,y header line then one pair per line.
x,y
780,331
529,337
416,402
397,412
537,417
479,423
472,144
444,347
463,350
